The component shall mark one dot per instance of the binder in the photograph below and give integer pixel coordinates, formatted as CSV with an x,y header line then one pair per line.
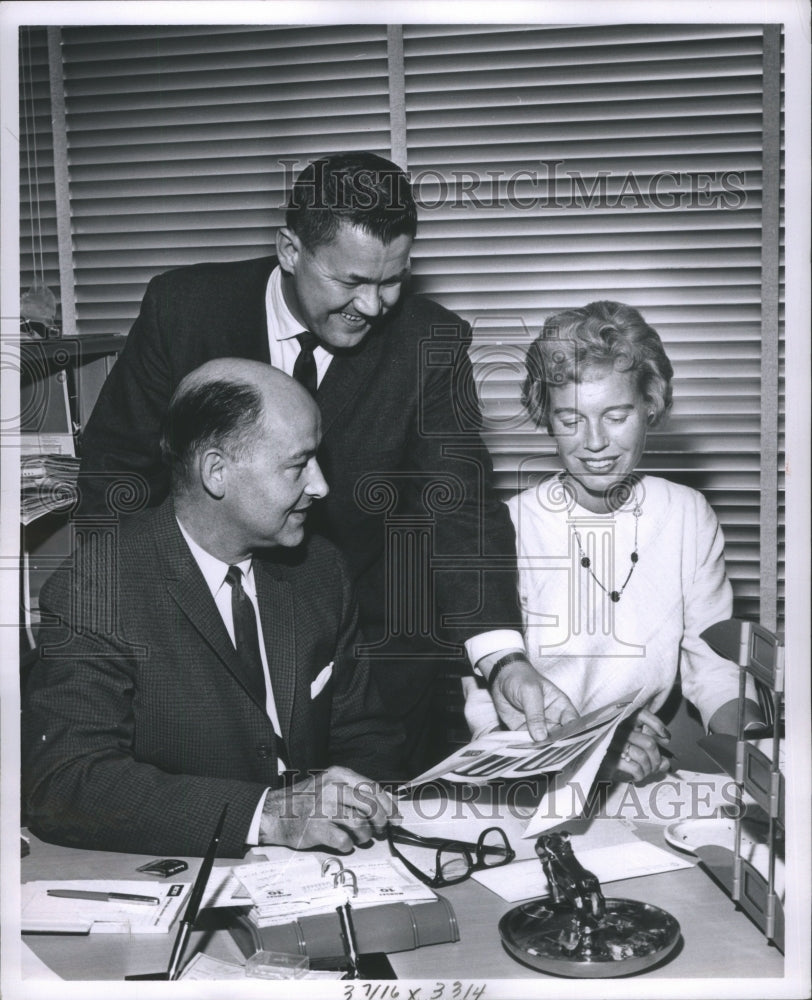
x,y
389,927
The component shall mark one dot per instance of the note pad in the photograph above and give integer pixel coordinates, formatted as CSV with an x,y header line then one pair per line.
x,y
44,913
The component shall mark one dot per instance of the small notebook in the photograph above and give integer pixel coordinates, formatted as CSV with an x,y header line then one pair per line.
x,y
43,913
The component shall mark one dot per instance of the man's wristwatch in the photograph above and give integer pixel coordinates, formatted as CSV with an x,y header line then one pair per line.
x,y
501,663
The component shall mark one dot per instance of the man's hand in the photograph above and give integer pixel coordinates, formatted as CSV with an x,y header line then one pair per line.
x,y
336,808
522,696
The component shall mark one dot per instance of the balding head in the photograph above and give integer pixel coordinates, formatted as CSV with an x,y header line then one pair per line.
x,y
242,439
228,403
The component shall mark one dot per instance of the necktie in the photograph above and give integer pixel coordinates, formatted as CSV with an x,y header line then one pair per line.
x,y
304,370
246,635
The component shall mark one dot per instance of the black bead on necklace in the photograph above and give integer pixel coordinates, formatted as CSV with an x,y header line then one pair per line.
x,y
614,595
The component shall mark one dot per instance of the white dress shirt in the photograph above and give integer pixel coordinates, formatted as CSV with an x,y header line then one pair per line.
x,y
214,573
283,328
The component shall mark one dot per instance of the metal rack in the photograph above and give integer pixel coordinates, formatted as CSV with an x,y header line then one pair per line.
x,y
760,656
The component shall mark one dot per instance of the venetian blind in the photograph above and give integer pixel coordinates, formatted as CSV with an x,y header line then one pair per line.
x,y
555,165
560,165
39,259
182,141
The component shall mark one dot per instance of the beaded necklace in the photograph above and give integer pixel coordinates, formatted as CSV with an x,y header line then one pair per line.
x,y
614,595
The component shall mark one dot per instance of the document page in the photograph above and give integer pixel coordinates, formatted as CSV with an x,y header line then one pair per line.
x,y
570,757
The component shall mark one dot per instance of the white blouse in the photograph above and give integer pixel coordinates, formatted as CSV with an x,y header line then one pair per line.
x,y
596,650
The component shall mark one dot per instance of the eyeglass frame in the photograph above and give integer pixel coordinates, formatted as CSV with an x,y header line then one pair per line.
x,y
467,850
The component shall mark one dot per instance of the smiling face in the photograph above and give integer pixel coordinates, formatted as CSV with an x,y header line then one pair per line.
x,y
270,486
600,427
338,290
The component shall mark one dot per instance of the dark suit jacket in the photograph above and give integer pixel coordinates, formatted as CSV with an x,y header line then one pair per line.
x,y
401,409
137,727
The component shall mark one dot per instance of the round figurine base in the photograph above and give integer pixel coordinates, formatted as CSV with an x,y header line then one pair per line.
x,y
630,938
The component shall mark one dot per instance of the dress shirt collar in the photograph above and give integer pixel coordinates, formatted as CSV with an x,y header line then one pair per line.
x,y
214,570
282,324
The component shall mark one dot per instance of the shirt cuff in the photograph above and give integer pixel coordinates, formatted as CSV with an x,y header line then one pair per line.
x,y
252,840
499,641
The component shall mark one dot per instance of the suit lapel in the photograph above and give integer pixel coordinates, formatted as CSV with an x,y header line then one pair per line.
x,y
277,614
345,378
248,336
187,588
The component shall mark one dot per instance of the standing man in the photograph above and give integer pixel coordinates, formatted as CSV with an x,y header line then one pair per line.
x,y
227,658
410,476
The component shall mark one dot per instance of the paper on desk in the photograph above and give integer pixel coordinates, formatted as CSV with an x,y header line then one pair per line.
x,y
202,966
526,879
225,889
678,795
282,892
41,912
461,820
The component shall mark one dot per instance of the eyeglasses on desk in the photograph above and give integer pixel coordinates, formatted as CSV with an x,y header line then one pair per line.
x,y
454,860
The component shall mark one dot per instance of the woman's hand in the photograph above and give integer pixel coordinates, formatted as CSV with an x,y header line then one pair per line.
x,y
638,748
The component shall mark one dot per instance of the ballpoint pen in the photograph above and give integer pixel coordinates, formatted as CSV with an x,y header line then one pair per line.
x,y
104,897
195,898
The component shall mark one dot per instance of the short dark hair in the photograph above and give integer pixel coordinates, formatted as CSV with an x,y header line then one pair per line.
x,y
363,190
601,335
219,413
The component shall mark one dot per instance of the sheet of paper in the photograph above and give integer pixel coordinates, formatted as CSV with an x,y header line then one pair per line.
x,y
213,969
515,755
41,912
571,787
526,879
225,889
441,816
202,966
679,795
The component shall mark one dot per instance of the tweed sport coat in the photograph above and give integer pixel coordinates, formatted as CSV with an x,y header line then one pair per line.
x,y
137,728
400,423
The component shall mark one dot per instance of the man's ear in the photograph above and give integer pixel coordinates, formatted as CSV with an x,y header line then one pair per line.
x,y
212,469
288,249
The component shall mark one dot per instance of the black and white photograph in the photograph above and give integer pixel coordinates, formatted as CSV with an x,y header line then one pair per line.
x,y
404,500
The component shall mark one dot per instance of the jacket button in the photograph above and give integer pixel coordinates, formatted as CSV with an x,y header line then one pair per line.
x,y
263,751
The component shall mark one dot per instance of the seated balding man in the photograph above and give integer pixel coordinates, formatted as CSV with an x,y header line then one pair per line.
x,y
137,731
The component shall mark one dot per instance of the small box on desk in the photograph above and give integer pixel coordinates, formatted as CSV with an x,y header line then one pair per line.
x,y
389,927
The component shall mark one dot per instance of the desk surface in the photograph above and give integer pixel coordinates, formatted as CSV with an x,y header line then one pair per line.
x,y
718,940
